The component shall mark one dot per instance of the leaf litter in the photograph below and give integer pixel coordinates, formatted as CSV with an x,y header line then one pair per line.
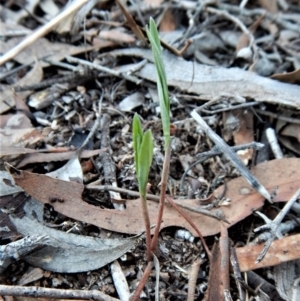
x,y
251,100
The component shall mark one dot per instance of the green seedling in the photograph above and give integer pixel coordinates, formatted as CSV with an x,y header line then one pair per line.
x,y
143,154
164,102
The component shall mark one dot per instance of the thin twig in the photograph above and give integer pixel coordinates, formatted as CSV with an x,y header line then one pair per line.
x,y
109,168
276,18
278,116
273,226
238,22
273,141
39,292
42,31
231,108
128,77
230,154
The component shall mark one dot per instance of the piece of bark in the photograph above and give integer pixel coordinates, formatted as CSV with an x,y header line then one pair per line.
x,y
209,81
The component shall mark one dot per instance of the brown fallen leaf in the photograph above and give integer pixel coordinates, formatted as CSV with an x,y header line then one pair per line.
x,y
289,77
116,35
244,38
8,96
269,5
282,250
42,48
168,22
283,173
37,157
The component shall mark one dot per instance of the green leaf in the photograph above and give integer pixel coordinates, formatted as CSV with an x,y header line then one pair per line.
x,y
137,137
162,85
144,161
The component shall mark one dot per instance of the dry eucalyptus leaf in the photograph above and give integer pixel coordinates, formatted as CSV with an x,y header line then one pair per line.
x,y
289,77
32,274
283,173
244,38
38,157
42,48
131,102
116,35
7,185
282,250
7,95
269,5
286,276
20,137
67,252
9,28
168,22
16,16
71,171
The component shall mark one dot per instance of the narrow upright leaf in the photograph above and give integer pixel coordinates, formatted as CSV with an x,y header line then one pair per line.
x,y
137,137
144,161
162,85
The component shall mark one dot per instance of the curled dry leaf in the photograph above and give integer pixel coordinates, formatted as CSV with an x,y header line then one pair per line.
x,y
283,173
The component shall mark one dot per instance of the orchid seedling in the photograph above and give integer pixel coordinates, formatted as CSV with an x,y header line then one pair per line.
x,y
143,154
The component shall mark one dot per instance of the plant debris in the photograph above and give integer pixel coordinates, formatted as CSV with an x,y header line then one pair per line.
x,y
72,77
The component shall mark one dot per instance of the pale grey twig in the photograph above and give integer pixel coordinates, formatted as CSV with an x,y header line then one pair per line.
x,y
273,225
276,18
271,136
128,77
239,23
283,228
231,155
231,108
278,116
38,292
157,272
19,249
95,126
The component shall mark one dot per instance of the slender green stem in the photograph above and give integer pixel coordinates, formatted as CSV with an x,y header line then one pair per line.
x,y
147,227
164,179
